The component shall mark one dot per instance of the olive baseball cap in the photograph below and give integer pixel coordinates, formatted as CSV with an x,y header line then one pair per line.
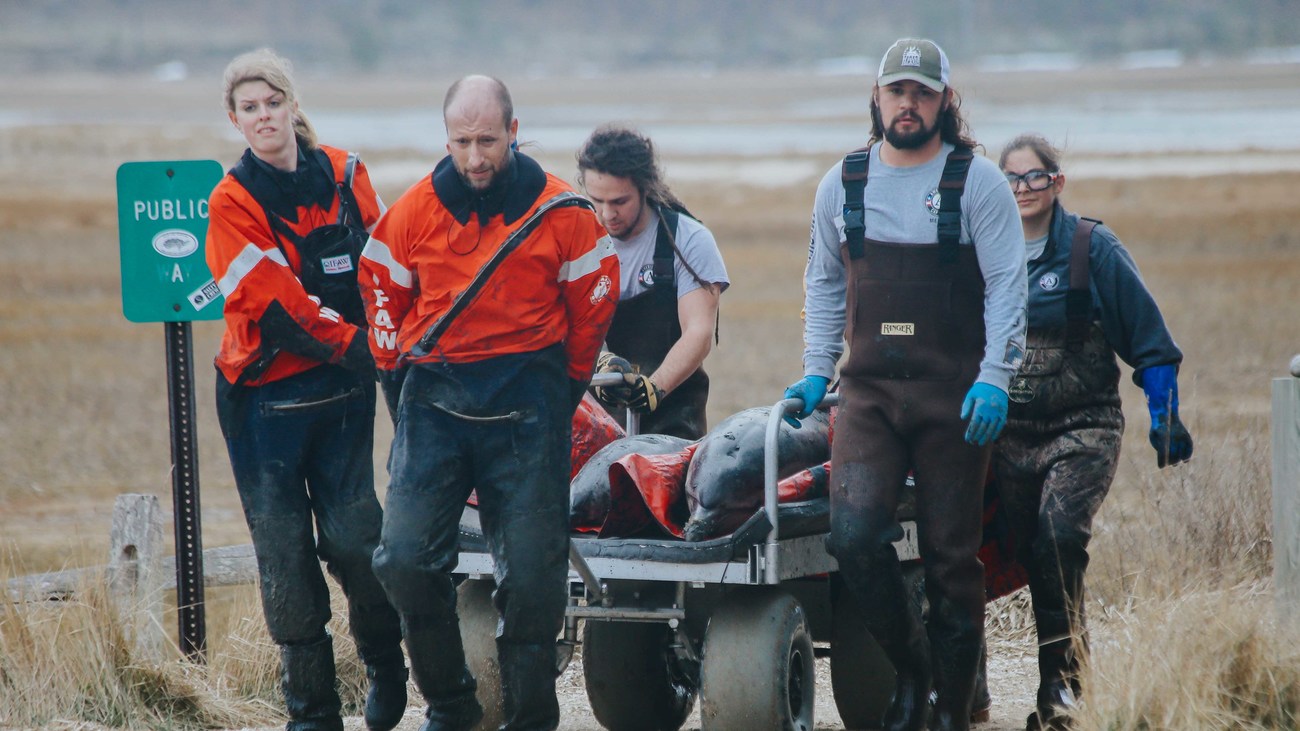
x,y
917,59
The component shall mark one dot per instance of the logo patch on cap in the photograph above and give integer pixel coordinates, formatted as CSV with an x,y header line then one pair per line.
x,y
912,57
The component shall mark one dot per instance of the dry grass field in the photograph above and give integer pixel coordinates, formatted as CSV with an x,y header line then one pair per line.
x,y
1180,595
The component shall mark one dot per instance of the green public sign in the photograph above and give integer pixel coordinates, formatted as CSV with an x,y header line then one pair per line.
x,y
162,222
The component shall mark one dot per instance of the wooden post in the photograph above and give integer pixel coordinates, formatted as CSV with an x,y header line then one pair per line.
x,y
135,575
1286,498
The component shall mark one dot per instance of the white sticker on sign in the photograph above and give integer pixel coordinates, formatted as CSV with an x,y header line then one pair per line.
x,y
205,295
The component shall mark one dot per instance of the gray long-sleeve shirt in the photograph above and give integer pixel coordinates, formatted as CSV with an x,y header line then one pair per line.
x,y
901,207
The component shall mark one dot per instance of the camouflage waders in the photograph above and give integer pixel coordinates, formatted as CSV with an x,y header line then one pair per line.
x,y
1054,465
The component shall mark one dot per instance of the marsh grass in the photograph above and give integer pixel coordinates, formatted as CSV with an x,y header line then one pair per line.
x,y
1201,660
70,661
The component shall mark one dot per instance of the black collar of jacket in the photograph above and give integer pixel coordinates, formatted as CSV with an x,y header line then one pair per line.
x,y
512,196
283,192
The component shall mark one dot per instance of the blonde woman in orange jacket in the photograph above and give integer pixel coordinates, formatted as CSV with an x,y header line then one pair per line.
x,y
296,390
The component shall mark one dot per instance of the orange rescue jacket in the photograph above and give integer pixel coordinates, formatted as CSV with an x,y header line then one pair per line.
x,y
256,275
560,285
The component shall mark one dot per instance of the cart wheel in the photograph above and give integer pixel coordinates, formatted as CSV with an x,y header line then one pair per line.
x,y
862,677
478,632
758,669
634,680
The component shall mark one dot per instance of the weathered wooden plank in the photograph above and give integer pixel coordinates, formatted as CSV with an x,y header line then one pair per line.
x,y
1286,498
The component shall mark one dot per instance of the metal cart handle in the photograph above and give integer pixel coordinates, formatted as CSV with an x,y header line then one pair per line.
x,y
771,574
633,425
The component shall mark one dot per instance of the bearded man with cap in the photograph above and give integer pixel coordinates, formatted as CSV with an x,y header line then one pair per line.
x,y
918,258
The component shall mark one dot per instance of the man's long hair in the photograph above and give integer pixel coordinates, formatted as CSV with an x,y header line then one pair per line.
x,y
623,152
952,126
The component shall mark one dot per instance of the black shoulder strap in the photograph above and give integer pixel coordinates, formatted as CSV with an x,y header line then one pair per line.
x,y
1078,300
665,274
348,206
853,176
512,242
952,183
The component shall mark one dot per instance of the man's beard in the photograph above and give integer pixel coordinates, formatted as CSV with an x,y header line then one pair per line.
x,y
486,187
911,140
498,179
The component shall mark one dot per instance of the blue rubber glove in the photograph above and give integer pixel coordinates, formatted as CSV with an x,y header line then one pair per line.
x,y
811,389
986,407
1171,440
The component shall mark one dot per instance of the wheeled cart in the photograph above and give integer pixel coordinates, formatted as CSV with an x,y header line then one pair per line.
x,y
736,621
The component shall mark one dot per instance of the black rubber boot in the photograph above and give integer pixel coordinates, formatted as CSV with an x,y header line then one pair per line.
x,y
1058,671
438,666
528,674
308,682
386,699
955,644
910,706
895,621
1056,700
891,610
465,718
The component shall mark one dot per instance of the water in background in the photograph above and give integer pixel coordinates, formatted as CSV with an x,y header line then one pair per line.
x,y
786,127
1105,133
1176,121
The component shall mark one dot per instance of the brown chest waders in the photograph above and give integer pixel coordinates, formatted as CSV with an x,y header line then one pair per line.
x,y
915,324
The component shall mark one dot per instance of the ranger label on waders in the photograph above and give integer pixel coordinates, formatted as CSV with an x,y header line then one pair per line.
x,y
897,328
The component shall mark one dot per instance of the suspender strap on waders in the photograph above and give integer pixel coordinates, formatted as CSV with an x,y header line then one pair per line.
x,y
1078,299
665,274
853,175
665,271
430,340
952,183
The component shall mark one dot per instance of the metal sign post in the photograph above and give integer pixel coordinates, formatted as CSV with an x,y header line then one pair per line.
x,y
162,215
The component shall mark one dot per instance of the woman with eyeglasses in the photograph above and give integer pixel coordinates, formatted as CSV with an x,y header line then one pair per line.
x,y
1057,456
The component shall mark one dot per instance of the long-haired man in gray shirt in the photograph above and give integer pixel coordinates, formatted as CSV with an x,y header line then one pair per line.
x,y
918,258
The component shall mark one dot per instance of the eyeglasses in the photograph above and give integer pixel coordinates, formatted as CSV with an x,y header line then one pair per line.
x,y
1033,180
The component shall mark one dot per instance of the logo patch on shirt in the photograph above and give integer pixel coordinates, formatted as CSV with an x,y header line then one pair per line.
x,y
933,201
337,264
1049,281
1020,390
601,290
897,328
647,275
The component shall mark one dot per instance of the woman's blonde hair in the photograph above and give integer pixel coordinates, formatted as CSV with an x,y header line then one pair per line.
x,y
266,65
